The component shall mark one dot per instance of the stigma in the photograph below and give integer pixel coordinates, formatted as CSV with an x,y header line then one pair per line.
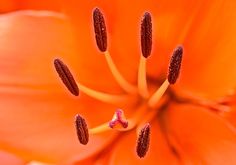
x,y
148,102
118,120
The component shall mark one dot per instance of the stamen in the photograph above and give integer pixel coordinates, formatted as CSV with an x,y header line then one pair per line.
x,y
66,77
146,46
100,30
175,64
118,121
174,68
138,115
146,34
143,141
108,98
147,118
82,129
101,40
117,75
152,113
158,94
142,79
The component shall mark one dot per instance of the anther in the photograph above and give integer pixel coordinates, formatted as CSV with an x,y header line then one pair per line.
x,y
118,121
146,34
143,141
66,77
101,40
81,129
100,30
175,64
146,46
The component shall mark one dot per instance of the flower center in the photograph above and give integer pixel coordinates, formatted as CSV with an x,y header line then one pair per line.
x,y
147,102
147,97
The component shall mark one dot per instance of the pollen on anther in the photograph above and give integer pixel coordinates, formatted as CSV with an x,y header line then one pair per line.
x,y
81,129
175,65
146,34
143,141
66,77
100,30
118,121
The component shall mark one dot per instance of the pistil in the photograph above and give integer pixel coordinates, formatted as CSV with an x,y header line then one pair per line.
x,y
100,129
118,121
132,122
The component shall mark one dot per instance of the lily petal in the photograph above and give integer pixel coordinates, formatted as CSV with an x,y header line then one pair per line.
x,y
13,5
202,136
231,115
9,159
37,115
210,51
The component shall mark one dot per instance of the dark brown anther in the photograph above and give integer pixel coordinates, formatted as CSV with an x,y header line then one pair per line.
x,y
175,65
146,34
81,129
100,30
143,141
66,77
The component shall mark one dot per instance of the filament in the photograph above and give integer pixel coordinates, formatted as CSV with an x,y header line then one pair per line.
x,y
142,80
118,77
146,119
158,94
104,97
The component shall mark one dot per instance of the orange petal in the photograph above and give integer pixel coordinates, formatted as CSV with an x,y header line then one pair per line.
x,y
37,115
9,159
208,66
98,159
12,5
202,136
231,115
124,151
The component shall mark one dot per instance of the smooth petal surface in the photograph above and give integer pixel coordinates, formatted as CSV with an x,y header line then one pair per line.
x,y
13,5
36,112
9,159
231,115
208,65
200,135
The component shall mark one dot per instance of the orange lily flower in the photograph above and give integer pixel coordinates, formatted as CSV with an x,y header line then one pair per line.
x,y
191,123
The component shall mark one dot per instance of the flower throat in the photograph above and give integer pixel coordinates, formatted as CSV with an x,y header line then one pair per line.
x,y
149,103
